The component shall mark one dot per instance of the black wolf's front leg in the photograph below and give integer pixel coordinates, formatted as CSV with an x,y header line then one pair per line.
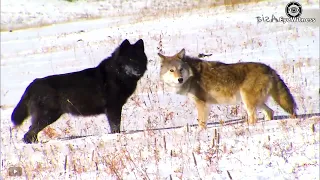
x,y
114,118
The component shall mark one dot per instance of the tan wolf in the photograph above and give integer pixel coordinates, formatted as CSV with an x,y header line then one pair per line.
x,y
214,82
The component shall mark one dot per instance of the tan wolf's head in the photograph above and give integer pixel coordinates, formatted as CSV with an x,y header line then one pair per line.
x,y
174,72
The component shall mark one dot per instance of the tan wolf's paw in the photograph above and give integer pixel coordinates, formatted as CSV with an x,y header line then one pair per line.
x,y
252,122
293,116
202,126
269,115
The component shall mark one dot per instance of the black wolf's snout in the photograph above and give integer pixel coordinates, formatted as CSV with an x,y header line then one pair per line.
x,y
180,80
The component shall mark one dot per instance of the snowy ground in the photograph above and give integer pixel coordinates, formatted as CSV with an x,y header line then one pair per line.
x,y
278,149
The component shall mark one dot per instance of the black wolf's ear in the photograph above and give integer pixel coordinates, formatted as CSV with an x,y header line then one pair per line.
x,y
140,44
122,48
125,44
181,54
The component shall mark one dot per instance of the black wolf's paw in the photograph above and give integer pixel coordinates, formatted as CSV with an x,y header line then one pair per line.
x,y
115,131
28,139
115,128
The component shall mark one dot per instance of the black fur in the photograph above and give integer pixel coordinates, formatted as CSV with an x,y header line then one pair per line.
x,y
103,89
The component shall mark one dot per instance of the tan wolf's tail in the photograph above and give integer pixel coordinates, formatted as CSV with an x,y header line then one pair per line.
x,y
281,94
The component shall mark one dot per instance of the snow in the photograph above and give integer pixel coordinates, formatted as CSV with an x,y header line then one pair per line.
x,y
277,149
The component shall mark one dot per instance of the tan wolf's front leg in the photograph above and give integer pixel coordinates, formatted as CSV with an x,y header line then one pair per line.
x,y
203,112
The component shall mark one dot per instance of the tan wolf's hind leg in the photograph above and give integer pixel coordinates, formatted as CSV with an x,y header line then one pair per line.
x,y
268,112
251,111
251,101
254,92
203,112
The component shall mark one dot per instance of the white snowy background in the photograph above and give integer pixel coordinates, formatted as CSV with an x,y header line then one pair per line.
x,y
166,145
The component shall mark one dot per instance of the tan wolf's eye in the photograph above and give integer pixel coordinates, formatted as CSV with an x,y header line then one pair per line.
x,y
181,70
171,70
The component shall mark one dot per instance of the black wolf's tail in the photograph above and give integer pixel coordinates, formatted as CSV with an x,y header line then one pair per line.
x,y
20,112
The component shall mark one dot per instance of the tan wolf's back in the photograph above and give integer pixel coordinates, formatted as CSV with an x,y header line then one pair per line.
x,y
227,78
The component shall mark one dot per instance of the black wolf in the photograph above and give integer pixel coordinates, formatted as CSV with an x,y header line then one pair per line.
x,y
102,89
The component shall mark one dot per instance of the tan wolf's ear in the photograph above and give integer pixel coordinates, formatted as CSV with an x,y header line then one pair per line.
x,y
161,56
181,54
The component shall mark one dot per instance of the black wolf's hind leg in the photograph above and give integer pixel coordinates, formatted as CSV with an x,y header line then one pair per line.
x,y
114,118
39,122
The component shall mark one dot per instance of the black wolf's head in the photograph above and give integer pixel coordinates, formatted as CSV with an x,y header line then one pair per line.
x,y
130,59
